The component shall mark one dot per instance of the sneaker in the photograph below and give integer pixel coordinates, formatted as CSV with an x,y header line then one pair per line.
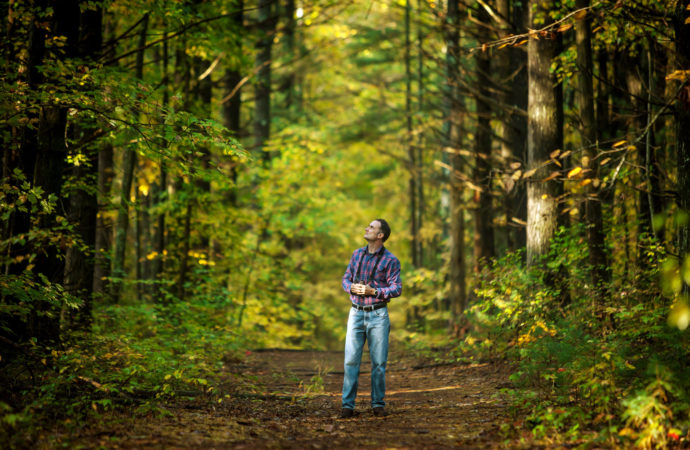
x,y
380,412
346,413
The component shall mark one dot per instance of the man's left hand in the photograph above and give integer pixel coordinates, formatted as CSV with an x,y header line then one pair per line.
x,y
369,291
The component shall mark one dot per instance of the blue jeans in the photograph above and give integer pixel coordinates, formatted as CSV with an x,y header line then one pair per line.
x,y
372,326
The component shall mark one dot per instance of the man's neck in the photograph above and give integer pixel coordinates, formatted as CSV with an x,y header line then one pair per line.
x,y
374,247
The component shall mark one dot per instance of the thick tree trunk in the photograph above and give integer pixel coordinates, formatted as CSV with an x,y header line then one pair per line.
x,y
682,41
543,137
452,105
79,263
51,168
484,249
598,257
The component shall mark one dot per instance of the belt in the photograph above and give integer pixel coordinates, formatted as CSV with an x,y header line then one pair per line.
x,y
373,307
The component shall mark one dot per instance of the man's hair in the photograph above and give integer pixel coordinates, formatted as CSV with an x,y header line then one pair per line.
x,y
385,228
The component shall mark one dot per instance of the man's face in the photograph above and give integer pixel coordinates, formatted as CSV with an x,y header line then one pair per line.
x,y
372,232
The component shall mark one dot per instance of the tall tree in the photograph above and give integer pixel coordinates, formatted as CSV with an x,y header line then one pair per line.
x,y
484,248
544,133
262,88
452,111
598,258
411,152
79,264
232,103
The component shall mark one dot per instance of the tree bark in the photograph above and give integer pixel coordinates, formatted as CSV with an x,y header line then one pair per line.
x,y
484,249
79,263
411,152
598,257
232,107
262,90
543,137
453,111
104,225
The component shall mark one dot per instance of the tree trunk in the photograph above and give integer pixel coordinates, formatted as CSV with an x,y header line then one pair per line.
x,y
598,257
104,225
420,137
288,86
262,90
484,249
231,108
128,165
411,152
543,137
159,194
453,111
50,169
79,263
682,41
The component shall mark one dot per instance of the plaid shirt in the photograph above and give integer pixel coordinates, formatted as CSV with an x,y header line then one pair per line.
x,y
386,280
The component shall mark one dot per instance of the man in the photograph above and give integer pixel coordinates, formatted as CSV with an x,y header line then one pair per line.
x,y
372,278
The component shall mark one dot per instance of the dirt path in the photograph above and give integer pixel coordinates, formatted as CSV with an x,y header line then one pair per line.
x,y
429,407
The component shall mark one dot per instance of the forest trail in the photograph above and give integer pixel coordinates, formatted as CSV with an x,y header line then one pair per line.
x,y
296,404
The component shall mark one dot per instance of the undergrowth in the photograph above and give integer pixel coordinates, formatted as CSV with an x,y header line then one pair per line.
x,y
138,358
603,369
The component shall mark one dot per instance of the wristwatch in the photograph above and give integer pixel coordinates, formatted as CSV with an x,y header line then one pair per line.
x,y
376,292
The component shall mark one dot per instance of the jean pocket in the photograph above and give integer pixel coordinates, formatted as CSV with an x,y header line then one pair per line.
x,y
381,312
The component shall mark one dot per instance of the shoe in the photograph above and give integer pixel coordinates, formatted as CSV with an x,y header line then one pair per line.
x,y
347,413
379,411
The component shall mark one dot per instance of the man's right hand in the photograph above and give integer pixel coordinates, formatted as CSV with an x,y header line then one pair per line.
x,y
358,289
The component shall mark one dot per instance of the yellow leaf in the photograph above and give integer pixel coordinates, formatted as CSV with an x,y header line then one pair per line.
x,y
552,176
687,21
574,212
605,161
564,28
544,196
585,182
554,153
619,143
581,14
574,172
529,173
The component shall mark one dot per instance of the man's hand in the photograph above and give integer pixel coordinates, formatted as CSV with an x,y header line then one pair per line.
x,y
358,289
362,289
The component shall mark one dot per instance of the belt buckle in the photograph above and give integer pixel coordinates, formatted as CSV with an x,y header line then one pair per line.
x,y
368,308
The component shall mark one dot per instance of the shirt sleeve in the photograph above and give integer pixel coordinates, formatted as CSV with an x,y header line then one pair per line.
x,y
347,277
393,286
